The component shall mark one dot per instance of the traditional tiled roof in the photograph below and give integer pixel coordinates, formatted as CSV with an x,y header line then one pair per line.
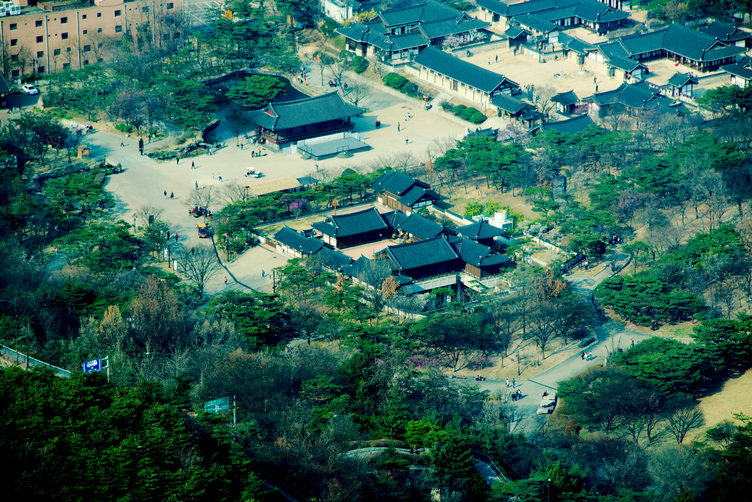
x,y
566,98
301,112
462,71
292,239
480,230
635,96
509,104
569,126
536,23
397,42
738,70
478,132
725,32
332,258
446,27
420,227
476,254
396,182
345,225
421,253
682,79
494,6
515,31
415,194
576,45
394,218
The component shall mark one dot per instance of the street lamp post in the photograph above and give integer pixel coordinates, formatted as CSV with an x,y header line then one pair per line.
x,y
548,494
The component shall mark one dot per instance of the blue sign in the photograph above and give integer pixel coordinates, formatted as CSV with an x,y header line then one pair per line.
x,y
218,406
93,365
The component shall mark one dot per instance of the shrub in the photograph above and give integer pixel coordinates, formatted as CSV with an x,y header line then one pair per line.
x,y
410,89
394,81
457,110
467,113
359,64
124,128
478,118
460,5
327,29
447,106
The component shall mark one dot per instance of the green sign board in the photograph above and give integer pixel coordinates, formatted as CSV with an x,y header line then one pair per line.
x,y
218,406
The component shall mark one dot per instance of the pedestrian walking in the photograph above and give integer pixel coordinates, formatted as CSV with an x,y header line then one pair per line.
x,y
219,176
497,58
172,195
122,143
406,140
513,383
177,161
398,127
263,274
196,184
489,60
507,382
176,237
241,147
193,164
165,193
631,345
406,118
150,139
225,281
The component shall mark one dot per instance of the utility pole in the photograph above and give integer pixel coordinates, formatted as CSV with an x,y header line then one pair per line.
x,y
234,411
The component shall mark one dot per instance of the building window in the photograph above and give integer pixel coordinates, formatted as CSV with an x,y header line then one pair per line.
x,y
145,9
67,49
39,24
83,17
117,13
66,66
99,30
56,52
87,48
40,69
13,26
176,35
100,44
13,42
40,39
99,14
14,57
16,73
86,61
64,36
118,29
170,6
86,31
166,37
63,20
40,54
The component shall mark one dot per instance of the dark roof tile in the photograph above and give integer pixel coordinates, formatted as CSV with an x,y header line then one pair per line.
x,y
289,114
462,71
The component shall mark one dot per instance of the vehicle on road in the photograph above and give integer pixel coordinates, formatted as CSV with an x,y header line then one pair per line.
x,y
30,89
203,230
252,173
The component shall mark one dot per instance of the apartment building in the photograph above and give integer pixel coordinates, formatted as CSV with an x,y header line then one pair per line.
x,y
57,35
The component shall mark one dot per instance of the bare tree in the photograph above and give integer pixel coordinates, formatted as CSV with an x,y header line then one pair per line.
x,y
201,197
200,264
357,92
686,417
233,192
149,214
543,100
235,121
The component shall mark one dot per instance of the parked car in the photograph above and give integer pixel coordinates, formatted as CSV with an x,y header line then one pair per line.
x,y
203,230
30,89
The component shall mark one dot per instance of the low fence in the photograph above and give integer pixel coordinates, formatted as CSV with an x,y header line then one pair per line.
x,y
462,52
30,361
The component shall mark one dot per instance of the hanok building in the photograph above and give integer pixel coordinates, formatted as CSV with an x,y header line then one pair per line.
x,y
416,227
566,102
677,42
462,78
352,229
516,109
480,261
680,85
400,191
568,126
426,258
486,234
539,15
289,121
631,98
400,34
741,72
728,34
296,244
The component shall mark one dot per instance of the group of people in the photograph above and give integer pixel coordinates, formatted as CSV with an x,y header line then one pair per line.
x,y
516,395
586,357
199,211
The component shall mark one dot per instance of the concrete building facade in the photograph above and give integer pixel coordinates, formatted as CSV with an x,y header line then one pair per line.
x,y
51,36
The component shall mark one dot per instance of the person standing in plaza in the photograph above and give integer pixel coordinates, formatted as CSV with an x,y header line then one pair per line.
x,y
406,141
398,127
193,164
177,160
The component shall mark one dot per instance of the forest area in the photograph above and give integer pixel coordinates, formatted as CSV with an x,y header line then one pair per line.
x,y
321,368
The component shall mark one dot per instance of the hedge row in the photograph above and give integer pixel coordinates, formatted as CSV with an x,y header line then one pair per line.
x,y
401,84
